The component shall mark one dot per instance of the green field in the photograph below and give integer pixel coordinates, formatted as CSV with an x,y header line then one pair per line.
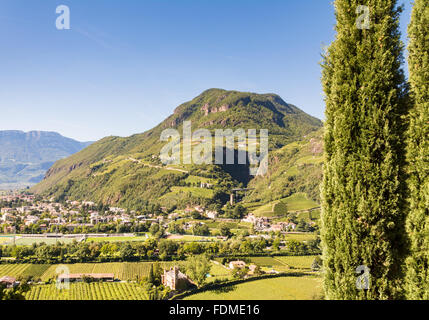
x,y
191,238
295,202
5,240
217,271
266,261
116,239
283,288
232,225
299,201
284,263
196,192
297,262
13,270
300,236
30,241
310,160
308,216
88,291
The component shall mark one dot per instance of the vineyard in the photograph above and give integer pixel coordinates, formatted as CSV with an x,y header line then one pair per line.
x,y
121,270
284,263
13,270
88,291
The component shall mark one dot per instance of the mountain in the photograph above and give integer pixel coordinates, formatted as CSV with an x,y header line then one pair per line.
x,y
26,156
293,177
128,172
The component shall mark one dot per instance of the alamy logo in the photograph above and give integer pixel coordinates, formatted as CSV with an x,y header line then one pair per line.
x,y
63,20
197,147
363,20
363,281
63,279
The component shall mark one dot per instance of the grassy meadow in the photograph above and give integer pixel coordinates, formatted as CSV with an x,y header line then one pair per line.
x,y
281,288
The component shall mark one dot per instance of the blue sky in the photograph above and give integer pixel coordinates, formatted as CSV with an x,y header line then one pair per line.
x,y
125,65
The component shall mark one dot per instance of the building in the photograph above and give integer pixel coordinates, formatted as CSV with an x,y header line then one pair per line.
x,y
9,282
175,280
206,185
211,214
250,218
29,220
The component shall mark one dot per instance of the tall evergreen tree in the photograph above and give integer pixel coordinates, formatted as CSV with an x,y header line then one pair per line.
x,y
418,153
363,220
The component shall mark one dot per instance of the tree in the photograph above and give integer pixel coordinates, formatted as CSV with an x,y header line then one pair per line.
x,y
301,226
201,230
225,231
197,268
126,252
154,228
196,215
15,293
239,212
363,188
317,264
168,247
151,276
157,272
257,271
292,217
276,244
418,152
240,273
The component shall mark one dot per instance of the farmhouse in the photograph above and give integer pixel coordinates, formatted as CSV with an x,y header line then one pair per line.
x,y
237,264
211,214
250,218
9,282
175,280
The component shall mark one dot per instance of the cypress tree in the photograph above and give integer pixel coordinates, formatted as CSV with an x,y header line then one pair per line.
x,y
363,188
418,153
151,276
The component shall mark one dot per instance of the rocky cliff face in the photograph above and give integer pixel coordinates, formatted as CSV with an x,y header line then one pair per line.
x,y
208,109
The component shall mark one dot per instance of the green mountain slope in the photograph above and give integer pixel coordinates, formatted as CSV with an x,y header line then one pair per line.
x,y
295,172
128,172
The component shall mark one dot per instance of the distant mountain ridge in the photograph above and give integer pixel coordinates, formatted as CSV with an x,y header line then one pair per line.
x,y
26,156
128,172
